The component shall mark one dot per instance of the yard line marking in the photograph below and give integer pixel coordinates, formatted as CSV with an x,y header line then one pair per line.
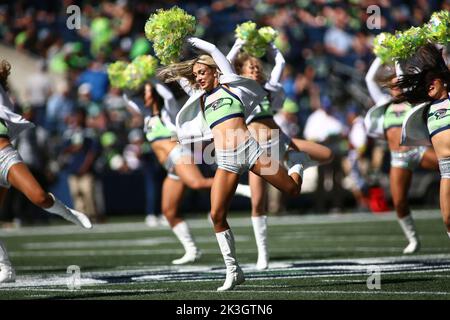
x,y
148,252
311,219
117,243
36,281
326,268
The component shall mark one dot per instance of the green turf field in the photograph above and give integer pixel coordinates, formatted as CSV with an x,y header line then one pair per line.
x,y
312,257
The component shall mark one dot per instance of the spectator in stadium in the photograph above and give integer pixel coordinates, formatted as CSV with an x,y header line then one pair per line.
x,y
357,139
97,78
59,107
38,89
323,127
338,42
80,150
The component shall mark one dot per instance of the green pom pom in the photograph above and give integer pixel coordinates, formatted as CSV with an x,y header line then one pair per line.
x,y
147,65
256,41
409,41
382,45
246,30
438,28
404,44
133,77
115,73
167,29
400,46
269,34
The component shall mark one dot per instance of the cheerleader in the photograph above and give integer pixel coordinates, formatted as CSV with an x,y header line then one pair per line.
x,y
404,160
426,80
157,102
219,103
14,172
269,135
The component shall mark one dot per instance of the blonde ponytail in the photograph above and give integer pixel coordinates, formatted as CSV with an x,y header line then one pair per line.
x,y
177,71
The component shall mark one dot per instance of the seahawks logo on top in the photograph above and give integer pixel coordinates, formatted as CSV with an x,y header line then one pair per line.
x,y
219,103
439,114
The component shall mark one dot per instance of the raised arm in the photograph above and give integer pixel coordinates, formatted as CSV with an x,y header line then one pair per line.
x,y
375,91
131,105
235,50
186,86
171,107
219,58
277,71
164,92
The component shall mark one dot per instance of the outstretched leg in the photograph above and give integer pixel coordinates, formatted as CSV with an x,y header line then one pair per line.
x,y
316,151
429,160
21,178
271,170
191,176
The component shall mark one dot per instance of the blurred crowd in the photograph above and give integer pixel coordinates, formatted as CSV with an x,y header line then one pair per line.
x,y
84,129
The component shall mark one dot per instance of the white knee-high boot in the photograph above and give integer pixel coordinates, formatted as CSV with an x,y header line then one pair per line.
x,y
183,234
71,215
234,275
260,230
409,229
7,273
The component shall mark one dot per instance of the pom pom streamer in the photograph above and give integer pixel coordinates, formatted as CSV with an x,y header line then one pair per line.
x,y
132,75
438,28
147,65
382,46
167,29
402,45
256,41
115,73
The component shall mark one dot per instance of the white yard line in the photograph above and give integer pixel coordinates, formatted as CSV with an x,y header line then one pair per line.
x,y
204,224
118,243
149,252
